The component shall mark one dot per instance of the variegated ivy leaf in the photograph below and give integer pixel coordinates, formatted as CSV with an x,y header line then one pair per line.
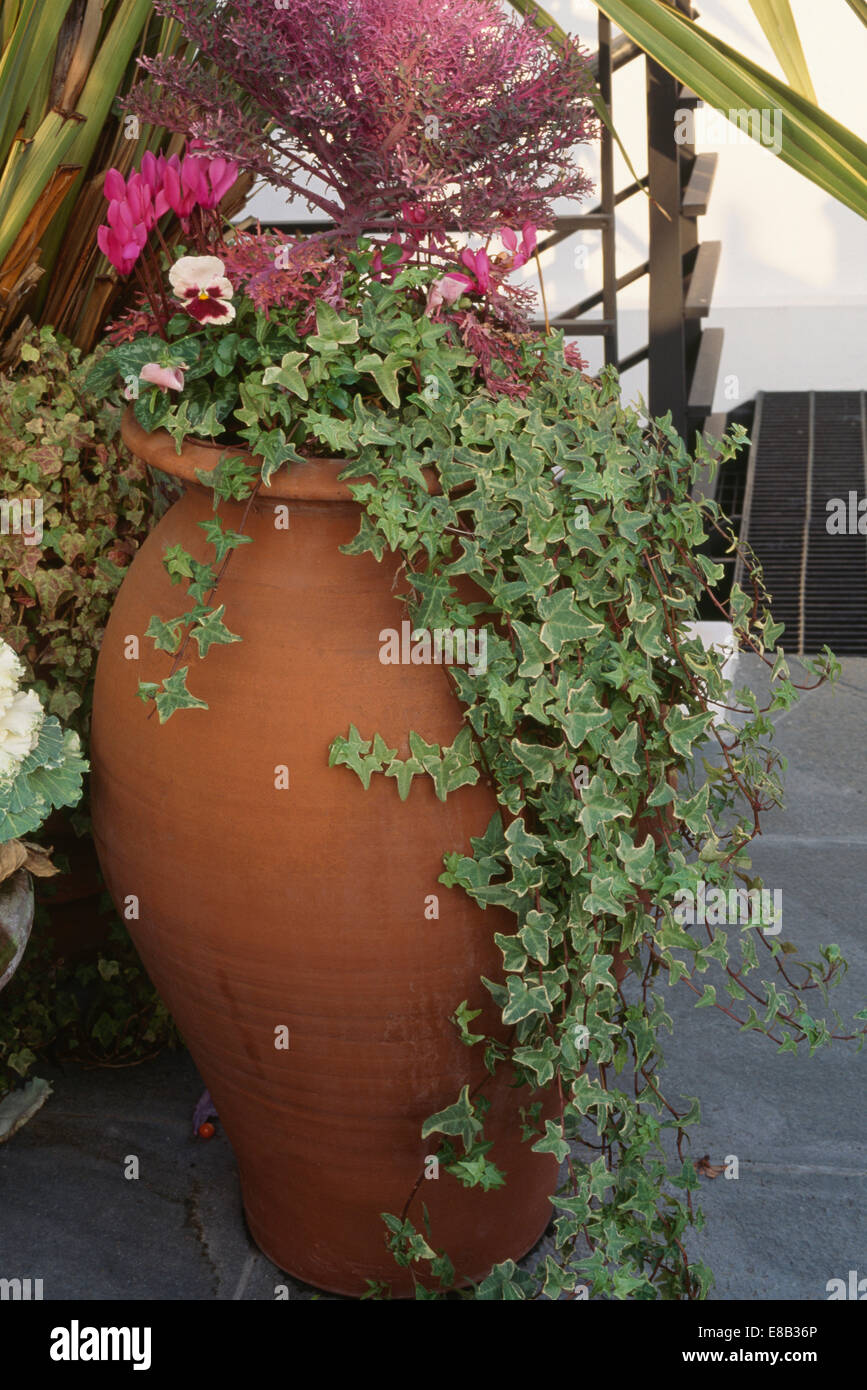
x,y
514,954
525,1001
178,563
403,770
585,714
448,768
210,630
166,636
287,374
521,846
684,730
540,1060
333,432
535,935
332,329
538,760
601,900
563,621
622,752
636,859
552,1143
476,1170
599,807
459,1119
462,1018
352,752
170,695
222,539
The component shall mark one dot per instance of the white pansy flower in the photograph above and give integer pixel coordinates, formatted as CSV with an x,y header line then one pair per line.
x,y
201,286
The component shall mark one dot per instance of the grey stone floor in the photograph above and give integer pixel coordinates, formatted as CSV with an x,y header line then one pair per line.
x,y
793,1220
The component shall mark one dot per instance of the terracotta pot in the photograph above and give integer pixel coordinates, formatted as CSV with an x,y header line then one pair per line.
x,y
262,908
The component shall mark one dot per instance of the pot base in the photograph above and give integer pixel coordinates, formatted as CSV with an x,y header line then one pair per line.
x,y
400,1286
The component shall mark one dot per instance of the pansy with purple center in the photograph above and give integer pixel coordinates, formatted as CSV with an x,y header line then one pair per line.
x,y
200,284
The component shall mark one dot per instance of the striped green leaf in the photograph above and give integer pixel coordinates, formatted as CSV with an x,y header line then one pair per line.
x,y
813,143
781,31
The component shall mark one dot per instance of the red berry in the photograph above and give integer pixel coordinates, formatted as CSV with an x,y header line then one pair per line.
x,y
206,1131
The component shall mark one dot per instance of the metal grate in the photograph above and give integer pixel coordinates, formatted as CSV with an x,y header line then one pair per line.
x,y
807,449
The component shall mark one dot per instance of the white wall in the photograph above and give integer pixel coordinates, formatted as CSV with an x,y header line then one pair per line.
x,y
791,291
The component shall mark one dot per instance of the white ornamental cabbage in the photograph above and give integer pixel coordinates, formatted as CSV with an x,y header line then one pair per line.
x,y
11,670
21,715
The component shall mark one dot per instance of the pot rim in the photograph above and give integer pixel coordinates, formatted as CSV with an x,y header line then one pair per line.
x,y
315,480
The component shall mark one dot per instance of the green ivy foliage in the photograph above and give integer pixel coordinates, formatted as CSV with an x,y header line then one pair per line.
x,y
571,517
101,1010
565,527
60,442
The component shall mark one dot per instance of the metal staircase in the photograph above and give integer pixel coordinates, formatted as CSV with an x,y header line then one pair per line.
x,y
806,476
683,357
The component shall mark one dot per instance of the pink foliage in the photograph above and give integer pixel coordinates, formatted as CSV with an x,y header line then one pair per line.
x,y
572,357
274,271
424,114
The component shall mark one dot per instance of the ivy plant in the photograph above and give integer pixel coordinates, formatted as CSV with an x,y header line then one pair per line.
x,y
627,773
99,1009
625,769
60,451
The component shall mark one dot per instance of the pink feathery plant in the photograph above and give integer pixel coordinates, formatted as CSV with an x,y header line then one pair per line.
x,y
412,115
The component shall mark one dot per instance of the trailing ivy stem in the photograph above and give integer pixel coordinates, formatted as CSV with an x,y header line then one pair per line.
x,y
179,655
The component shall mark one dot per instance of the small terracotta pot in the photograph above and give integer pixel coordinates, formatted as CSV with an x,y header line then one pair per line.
x,y
309,909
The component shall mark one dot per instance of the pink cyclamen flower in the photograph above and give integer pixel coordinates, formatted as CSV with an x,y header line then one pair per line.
x,y
166,378
140,194
153,171
140,200
122,240
528,244
183,183
218,175
201,286
114,186
479,266
195,181
134,206
379,267
123,250
448,289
